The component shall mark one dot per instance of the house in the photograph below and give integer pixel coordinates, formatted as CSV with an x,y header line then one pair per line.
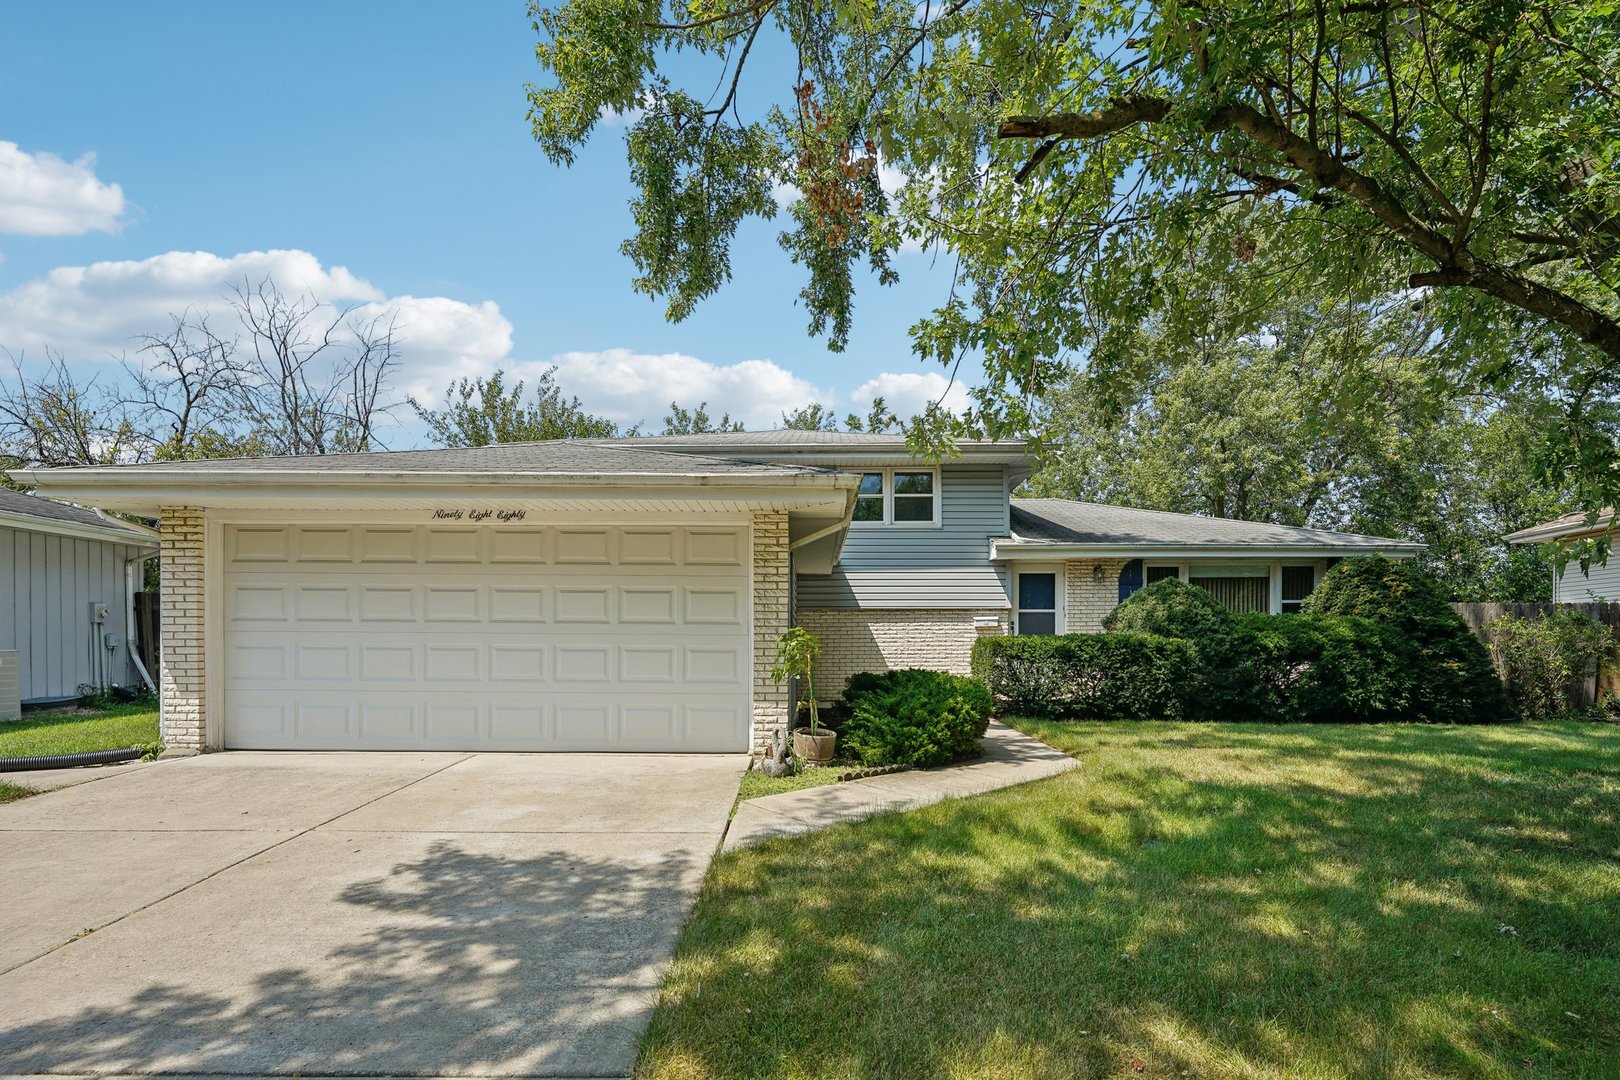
x,y
68,578
623,594
1571,583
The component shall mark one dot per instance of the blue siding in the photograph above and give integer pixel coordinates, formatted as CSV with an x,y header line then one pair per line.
x,y
944,567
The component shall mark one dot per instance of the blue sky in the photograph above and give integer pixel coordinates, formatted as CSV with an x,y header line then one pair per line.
x,y
389,141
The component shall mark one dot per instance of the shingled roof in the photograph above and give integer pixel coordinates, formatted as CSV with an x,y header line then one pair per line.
x,y
554,457
48,510
1068,522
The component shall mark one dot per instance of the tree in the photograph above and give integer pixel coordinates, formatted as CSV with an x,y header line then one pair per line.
x,y
299,377
1067,154
878,419
54,420
812,417
188,392
481,411
312,378
697,421
1334,412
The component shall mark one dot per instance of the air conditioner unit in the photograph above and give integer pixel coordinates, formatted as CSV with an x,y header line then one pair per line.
x,y
10,685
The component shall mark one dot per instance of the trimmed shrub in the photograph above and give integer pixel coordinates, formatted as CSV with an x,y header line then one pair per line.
x,y
1539,658
913,717
1171,608
1451,676
1311,669
1091,676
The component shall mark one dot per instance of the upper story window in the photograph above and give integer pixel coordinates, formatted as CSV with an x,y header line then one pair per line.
x,y
898,497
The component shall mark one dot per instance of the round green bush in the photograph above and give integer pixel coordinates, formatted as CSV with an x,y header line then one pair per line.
x,y
913,717
1171,608
1451,676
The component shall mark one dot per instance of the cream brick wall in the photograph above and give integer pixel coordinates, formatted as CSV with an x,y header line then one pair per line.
x,y
885,639
1088,599
181,689
771,584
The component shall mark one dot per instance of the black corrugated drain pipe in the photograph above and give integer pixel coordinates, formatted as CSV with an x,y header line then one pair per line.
x,y
69,761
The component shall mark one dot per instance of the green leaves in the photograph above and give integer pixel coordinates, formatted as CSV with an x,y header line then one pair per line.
x,y
1474,144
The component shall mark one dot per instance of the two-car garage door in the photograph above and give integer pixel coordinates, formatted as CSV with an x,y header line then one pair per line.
x,y
486,637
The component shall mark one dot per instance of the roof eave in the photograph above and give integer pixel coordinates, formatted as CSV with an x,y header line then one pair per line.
x,y
111,534
145,491
1546,534
1003,549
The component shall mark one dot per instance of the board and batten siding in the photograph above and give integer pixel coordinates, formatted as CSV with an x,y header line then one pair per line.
x,y
47,584
1597,584
894,566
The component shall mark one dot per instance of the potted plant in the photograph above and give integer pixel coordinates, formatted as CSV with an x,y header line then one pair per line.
x,y
796,653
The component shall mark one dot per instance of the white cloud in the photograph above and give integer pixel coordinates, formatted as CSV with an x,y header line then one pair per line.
x,y
91,312
628,387
43,195
908,393
97,312
441,340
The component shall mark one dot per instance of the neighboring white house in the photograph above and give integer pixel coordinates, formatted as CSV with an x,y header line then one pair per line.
x,y
1571,584
625,594
67,582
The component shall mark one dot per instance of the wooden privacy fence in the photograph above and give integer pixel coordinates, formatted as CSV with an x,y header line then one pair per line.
x,y
1478,617
146,629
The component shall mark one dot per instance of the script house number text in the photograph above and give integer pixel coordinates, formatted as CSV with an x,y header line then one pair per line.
x,y
478,515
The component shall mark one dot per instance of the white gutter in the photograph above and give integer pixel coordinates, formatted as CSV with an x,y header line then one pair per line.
x,y
1002,549
1542,534
124,478
113,534
133,526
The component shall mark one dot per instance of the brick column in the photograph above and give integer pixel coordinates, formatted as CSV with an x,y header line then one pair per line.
x,y
770,620
180,680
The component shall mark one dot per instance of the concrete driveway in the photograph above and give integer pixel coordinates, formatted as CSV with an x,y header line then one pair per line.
x,y
390,914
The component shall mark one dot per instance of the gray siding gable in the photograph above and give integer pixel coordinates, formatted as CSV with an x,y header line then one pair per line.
x,y
945,567
47,584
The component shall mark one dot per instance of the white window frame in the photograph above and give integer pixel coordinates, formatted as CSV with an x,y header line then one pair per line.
x,y
888,521
1274,568
1153,564
1277,589
1060,582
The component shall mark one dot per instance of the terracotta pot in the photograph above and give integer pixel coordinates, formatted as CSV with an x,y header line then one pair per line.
x,y
815,749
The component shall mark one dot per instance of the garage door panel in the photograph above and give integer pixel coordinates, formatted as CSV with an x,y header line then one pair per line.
x,y
488,638
568,721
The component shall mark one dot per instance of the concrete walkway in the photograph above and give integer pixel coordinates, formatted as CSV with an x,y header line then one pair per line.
x,y
1010,757
252,914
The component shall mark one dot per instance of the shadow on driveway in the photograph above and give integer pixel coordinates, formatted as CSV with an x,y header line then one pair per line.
x,y
465,958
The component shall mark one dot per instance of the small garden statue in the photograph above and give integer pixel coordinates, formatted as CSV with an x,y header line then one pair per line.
x,y
777,762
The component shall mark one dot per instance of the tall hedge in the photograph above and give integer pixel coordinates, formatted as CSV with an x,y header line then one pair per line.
x,y
1090,676
1311,669
1451,676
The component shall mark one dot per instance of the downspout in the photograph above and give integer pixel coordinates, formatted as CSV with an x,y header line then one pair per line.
x,y
134,571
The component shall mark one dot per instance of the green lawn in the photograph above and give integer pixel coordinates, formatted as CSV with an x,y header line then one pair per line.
x,y
111,729
756,784
1196,900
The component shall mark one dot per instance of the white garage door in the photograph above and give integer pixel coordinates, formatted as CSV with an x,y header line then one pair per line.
x,y
486,637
